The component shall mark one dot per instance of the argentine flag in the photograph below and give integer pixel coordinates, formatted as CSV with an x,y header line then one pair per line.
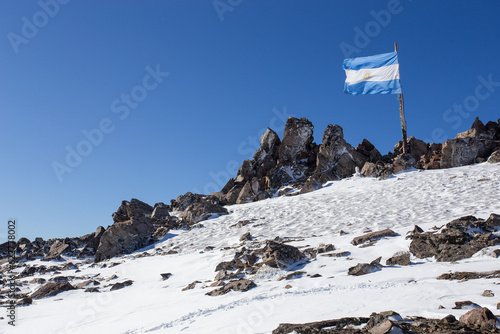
x,y
377,74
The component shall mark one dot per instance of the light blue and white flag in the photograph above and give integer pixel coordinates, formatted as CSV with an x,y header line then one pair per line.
x,y
377,74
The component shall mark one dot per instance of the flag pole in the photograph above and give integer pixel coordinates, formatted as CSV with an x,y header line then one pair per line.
x,y
402,111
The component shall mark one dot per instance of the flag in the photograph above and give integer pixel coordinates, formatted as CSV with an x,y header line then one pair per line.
x,y
377,74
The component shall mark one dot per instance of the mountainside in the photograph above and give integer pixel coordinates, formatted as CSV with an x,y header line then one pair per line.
x,y
290,259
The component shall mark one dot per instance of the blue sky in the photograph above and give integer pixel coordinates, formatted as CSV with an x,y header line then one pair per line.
x,y
234,68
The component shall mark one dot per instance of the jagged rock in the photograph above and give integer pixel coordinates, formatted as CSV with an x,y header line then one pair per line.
x,y
202,210
232,195
269,147
127,210
365,268
124,237
336,158
183,201
51,289
160,211
26,301
480,317
369,151
246,194
460,152
276,178
373,236
400,259
460,239
121,285
280,255
242,284
165,276
416,147
56,249
494,157
297,143
91,246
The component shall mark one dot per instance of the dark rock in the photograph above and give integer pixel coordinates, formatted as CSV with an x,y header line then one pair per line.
x,y
121,285
165,276
460,239
237,285
369,151
466,275
400,259
160,211
124,237
480,317
466,304
312,183
373,236
295,274
183,201
202,210
279,255
128,210
336,158
365,268
297,143
92,289
51,289
26,301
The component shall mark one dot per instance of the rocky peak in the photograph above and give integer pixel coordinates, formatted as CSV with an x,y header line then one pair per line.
x,y
297,141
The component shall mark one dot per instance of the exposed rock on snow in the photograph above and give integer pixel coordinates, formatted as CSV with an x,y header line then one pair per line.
x,y
280,255
52,289
237,285
373,236
202,210
365,268
459,239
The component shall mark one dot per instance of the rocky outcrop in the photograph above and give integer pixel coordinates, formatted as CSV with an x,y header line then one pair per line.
x,y
459,239
127,210
279,255
297,144
479,142
242,284
132,230
478,322
51,289
203,209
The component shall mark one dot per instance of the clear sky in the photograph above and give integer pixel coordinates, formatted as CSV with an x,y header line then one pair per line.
x,y
174,94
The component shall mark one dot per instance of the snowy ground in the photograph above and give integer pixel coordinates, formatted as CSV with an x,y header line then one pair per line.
x,y
355,205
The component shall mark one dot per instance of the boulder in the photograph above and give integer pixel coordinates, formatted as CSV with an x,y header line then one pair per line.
x,y
459,239
160,211
312,183
399,259
373,236
51,289
464,151
124,237
56,249
480,317
202,210
279,255
242,284
365,268
183,201
494,157
133,208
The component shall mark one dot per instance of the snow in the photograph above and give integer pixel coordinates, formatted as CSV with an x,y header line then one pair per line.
x,y
355,205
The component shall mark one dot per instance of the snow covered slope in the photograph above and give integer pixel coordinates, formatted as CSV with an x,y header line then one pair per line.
x,y
355,205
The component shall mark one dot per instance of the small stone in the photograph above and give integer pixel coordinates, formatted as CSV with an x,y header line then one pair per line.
x,y
288,286
440,307
246,236
165,276
488,293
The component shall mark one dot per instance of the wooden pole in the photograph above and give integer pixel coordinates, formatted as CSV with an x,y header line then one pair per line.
x,y
402,112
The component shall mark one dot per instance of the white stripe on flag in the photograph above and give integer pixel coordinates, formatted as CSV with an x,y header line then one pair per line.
x,y
384,73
